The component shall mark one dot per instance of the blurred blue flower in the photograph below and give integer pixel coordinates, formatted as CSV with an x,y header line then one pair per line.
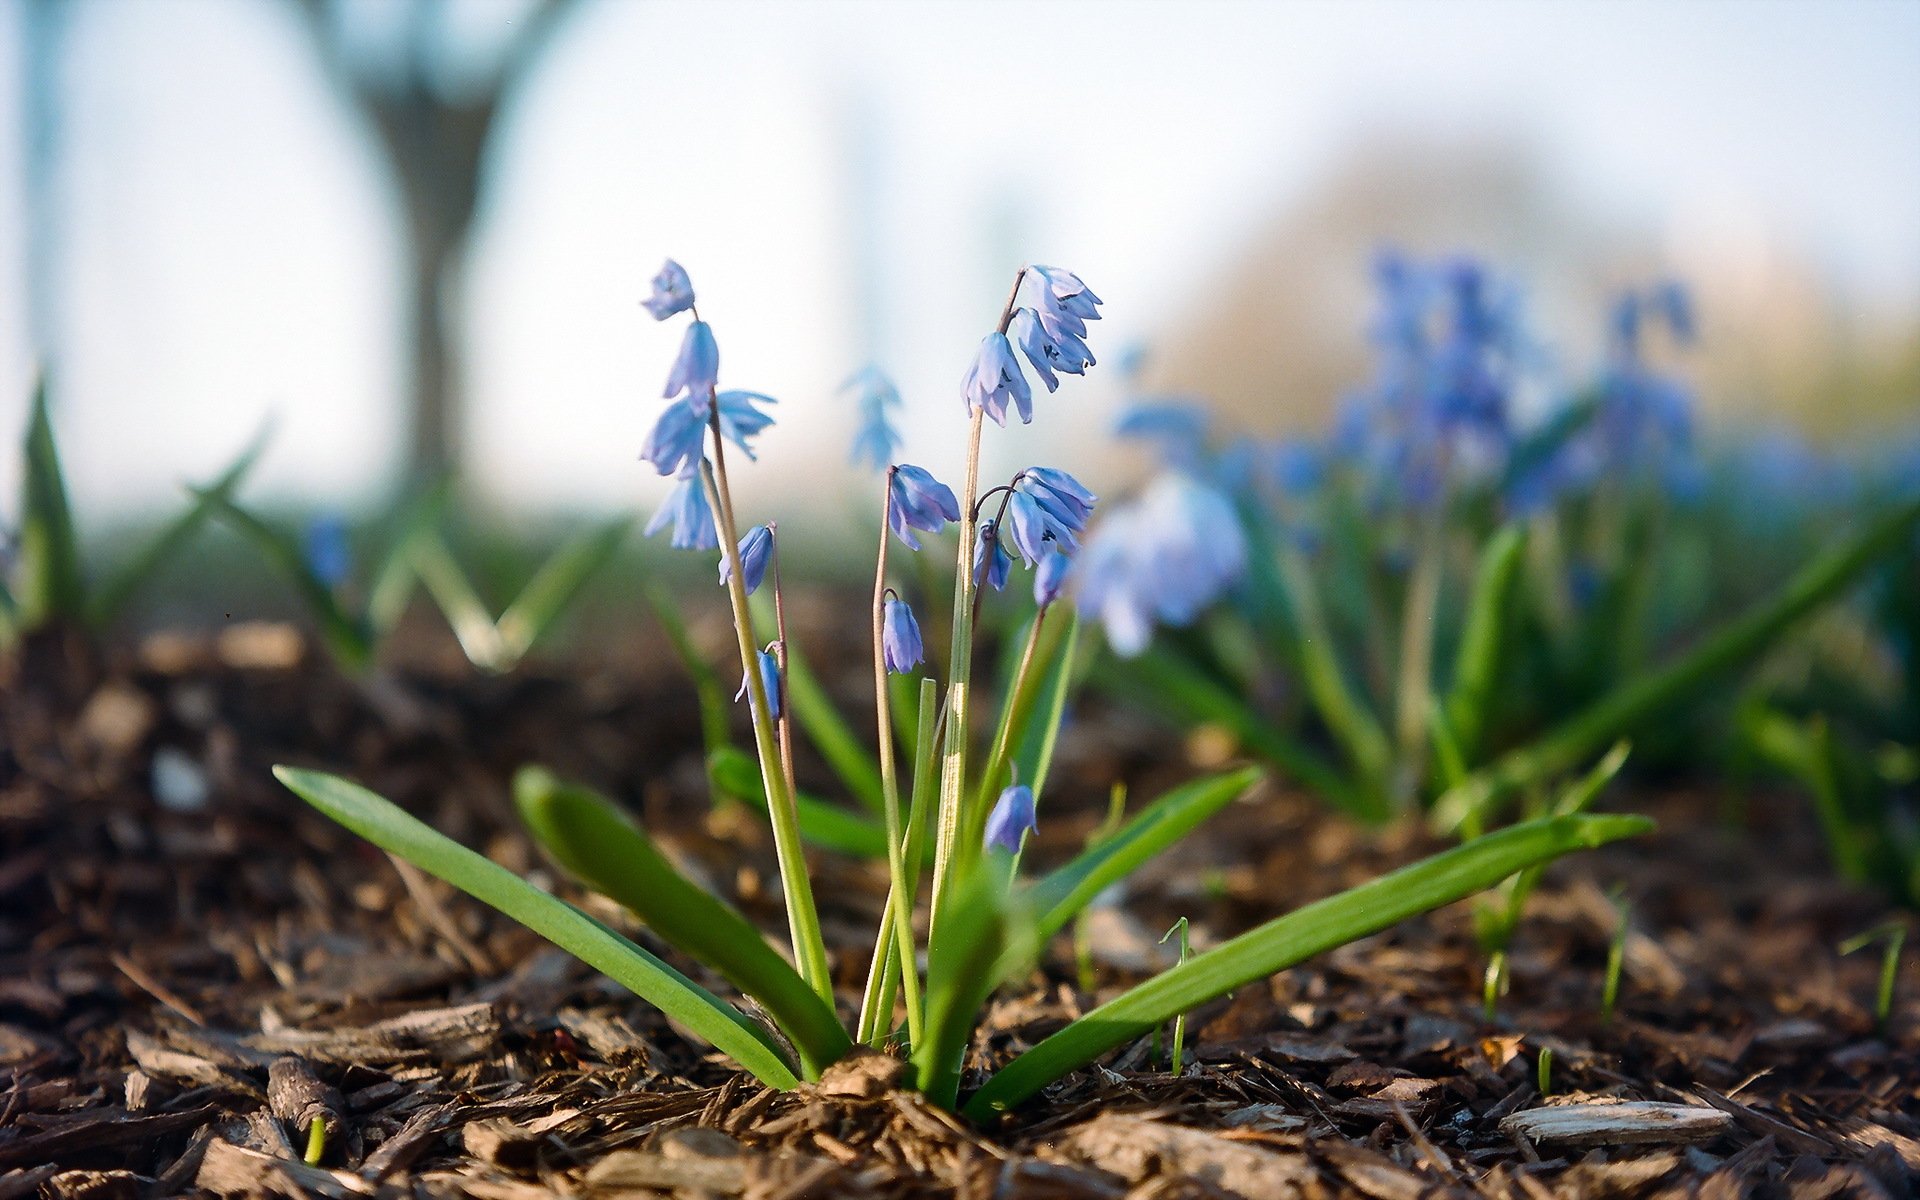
x,y
672,292
686,506
677,439
1050,576
769,679
994,380
1178,428
696,370
328,551
899,637
1012,819
1296,466
1161,558
739,419
1065,303
991,562
916,500
1049,350
875,441
756,550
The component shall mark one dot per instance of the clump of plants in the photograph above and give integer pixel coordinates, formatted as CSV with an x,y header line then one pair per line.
x,y
959,787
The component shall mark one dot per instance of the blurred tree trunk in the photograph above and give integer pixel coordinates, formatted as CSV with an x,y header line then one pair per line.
x,y
43,34
434,134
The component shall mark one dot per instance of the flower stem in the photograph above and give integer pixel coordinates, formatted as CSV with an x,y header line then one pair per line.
x,y
803,922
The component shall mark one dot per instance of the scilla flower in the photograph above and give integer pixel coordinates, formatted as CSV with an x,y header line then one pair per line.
x,y
328,553
1050,576
995,379
756,549
769,679
900,637
1161,559
676,441
916,500
696,371
991,562
692,519
1012,819
1177,428
1050,350
1047,507
875,441
672,292
1066,303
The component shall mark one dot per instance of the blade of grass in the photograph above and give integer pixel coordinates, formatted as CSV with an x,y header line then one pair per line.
x,y
555,585
454,594
692,1006
1620,710
347,637
1476,666
1036,723
597,843
1300,935
48,574
707,689
981,930
820,720
822,824
394,577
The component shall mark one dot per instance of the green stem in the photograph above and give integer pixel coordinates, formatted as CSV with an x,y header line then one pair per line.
x,y
316,1142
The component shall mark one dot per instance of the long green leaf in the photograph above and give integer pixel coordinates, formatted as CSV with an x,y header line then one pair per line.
x,y
346,635
819,718
1036,724
822,824
110,598
395,576
556,584
459,602
1476,667
1619,711
1055,898
1300,935
607,852
393,830
984,929
710,694
50,586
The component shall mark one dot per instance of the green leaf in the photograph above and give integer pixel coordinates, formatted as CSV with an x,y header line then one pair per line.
x,y
1036,722
1805,750
818,717
822,824
1476,667
556,584
48,573
607,852
692,1006
395,576
346,635
112,597
983,929
453,591
1621,710
712,697
1300,935
1058,896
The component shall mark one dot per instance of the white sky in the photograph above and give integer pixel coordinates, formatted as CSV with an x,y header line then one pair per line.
x,y
229,237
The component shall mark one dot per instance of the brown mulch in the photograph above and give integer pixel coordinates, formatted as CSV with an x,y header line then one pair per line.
x,y
193,967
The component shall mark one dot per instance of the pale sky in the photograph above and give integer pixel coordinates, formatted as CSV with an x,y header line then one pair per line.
x,y
229,238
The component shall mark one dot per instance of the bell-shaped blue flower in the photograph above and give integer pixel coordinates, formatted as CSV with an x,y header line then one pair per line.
x,y
672,292
1064,499
991,562
1050,576
1162,558
1050,350
1178,428
916,500
756,550
875,440
900,637
769,679
686,507
1066,304
677,439
740,420
994,380
696,370
328,552
1012,819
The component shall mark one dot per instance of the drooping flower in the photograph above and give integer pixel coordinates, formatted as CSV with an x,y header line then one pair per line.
x,y
875,441
1047,507
1049,350
756,550
1065,303
916,500
696,370
769,679
686,506
900,637
739,419
672,292
994,380
991,562
328,551
677,439
1012,819
1160,559
1050,576
1177,428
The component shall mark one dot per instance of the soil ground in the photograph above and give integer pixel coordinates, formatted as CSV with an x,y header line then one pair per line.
x,y
191,961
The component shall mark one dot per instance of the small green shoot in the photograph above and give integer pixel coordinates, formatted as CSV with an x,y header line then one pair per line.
x,y
1543,1071
1893,935
1616,961
1179,1022
316,1142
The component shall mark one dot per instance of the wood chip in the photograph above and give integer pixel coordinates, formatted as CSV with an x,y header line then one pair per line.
x,y
696,1159
1137,1150
1624,1123
230,1170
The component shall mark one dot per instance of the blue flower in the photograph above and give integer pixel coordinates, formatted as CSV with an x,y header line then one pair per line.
x,y
1177,427
1066,304
1012,819
686,507
756,549
672,292
769,679
1050,577
696,371
1047,508
1297,467
1049,351
995,379
876,441
1063,497
328,552
1160,559
991,562
739,419
916,500
900,637
677,440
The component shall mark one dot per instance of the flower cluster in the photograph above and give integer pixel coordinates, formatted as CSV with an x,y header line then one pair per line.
x,y
1161,559
1052,334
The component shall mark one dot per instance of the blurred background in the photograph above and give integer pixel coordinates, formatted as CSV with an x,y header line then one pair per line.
x,y
414,232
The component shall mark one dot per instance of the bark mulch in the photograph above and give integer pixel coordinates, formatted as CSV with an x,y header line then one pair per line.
x,y
193,967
